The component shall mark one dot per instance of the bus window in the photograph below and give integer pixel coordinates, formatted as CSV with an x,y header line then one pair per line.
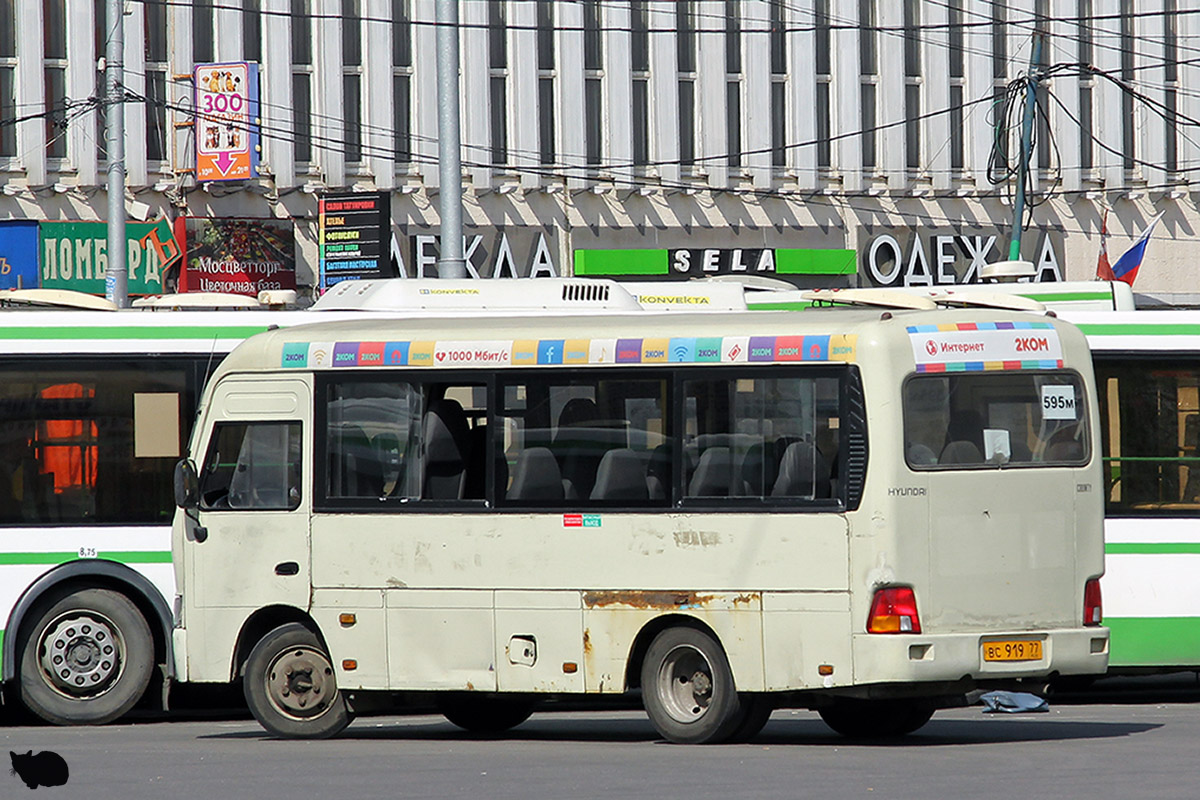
x,y
252,466
761,437
992,419
394,441
1151,413
581,441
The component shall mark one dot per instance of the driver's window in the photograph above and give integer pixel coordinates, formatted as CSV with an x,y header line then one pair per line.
x,y
252,466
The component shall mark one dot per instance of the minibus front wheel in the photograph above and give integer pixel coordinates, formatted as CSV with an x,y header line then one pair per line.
x,y
291,688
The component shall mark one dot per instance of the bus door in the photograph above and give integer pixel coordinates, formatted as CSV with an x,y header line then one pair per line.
x,y
251,545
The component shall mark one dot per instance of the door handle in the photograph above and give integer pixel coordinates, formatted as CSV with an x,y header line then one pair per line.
x,y
287,568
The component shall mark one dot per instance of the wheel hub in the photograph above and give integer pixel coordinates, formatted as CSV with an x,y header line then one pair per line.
x,y
686,684
81,655
300,682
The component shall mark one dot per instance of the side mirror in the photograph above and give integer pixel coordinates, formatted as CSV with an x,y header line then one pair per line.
x,y
187,485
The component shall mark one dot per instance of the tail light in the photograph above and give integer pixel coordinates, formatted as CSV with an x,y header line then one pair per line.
x,y
894,610
1092,607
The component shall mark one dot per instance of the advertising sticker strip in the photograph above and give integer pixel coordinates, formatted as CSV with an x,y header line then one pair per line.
x,y
974,347
529,352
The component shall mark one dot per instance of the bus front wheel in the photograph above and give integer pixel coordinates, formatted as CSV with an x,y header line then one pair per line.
x,y
290,686
87,659
688,688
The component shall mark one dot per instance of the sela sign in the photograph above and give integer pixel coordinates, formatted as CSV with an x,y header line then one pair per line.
x,y
226,121
946,258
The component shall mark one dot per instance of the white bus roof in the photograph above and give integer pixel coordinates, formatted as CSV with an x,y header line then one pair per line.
x,y
555,295
687,295
1062,295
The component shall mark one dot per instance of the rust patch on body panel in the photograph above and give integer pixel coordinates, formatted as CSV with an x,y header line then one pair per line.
x,y
664,600
587,641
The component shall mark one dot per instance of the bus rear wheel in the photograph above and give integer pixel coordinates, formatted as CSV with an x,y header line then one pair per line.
x,y
290,686
87,658
688,688
875,719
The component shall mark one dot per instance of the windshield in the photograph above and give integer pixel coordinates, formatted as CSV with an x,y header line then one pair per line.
x,y
994,419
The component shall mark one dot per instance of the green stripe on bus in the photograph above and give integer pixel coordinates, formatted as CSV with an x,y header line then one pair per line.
x,y
620,262
799,305
1140,329
815,262
1067,296
132,332
1154,641
1152,548
124,557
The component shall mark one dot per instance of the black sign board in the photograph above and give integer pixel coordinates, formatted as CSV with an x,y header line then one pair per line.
x,y
354,237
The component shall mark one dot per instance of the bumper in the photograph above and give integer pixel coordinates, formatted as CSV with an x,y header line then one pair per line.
x,y
950,657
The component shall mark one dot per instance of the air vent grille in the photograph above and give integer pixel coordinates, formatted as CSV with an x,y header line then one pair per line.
x,y
585,292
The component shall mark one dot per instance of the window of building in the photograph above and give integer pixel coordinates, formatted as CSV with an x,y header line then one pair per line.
x,y
593,83
1086,84
957,83
402,69
155,17
640,64
252,30
8,72
912,83
685,65
824,71
352,80
868,80
733,83
203,51
54,71
1128,76
779,82
1171,93
498,82
302,70
547,152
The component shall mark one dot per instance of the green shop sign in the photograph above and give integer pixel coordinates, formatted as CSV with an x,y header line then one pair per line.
x,y
74,255
698,262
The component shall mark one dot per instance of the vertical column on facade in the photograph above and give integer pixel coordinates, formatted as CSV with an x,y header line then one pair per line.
x,y
278,155
568,93
979,117
711,143
473,86
181,142
83,80
31,93
935,68
801,92
756,93
135,113
1107,98
522,92
227,28
847,89
378,142
664,93
424,118
329,128
1063,33
1188,31
1150,27
893,155
618,80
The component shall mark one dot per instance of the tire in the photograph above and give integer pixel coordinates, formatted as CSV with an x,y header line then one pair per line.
x,y
86,659
290,686
688,689
756,710
876,719
485,713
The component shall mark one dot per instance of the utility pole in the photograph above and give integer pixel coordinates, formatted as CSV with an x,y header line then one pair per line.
x,y
450,263
1035,59
116,276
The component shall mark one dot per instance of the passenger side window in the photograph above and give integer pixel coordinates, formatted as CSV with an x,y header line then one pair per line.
x,y
761,437
252,466
583,442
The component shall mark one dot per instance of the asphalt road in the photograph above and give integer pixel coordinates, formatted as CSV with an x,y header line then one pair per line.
x,y
1103,750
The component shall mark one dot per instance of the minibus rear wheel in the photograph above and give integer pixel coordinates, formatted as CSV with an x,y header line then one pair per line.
x,y
688,688
86,659
291,688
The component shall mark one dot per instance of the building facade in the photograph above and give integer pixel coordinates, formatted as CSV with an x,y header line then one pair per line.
x,y
861,142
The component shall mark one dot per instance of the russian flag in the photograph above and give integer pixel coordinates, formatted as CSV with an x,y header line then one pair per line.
x,y
1127,266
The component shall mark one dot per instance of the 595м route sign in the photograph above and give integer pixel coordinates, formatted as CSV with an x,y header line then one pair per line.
x,y
227,121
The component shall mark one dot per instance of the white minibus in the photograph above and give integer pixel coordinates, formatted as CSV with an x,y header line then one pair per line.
x,y
865,511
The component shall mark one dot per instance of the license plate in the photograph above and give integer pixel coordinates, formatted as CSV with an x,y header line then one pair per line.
x,y
1013,650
